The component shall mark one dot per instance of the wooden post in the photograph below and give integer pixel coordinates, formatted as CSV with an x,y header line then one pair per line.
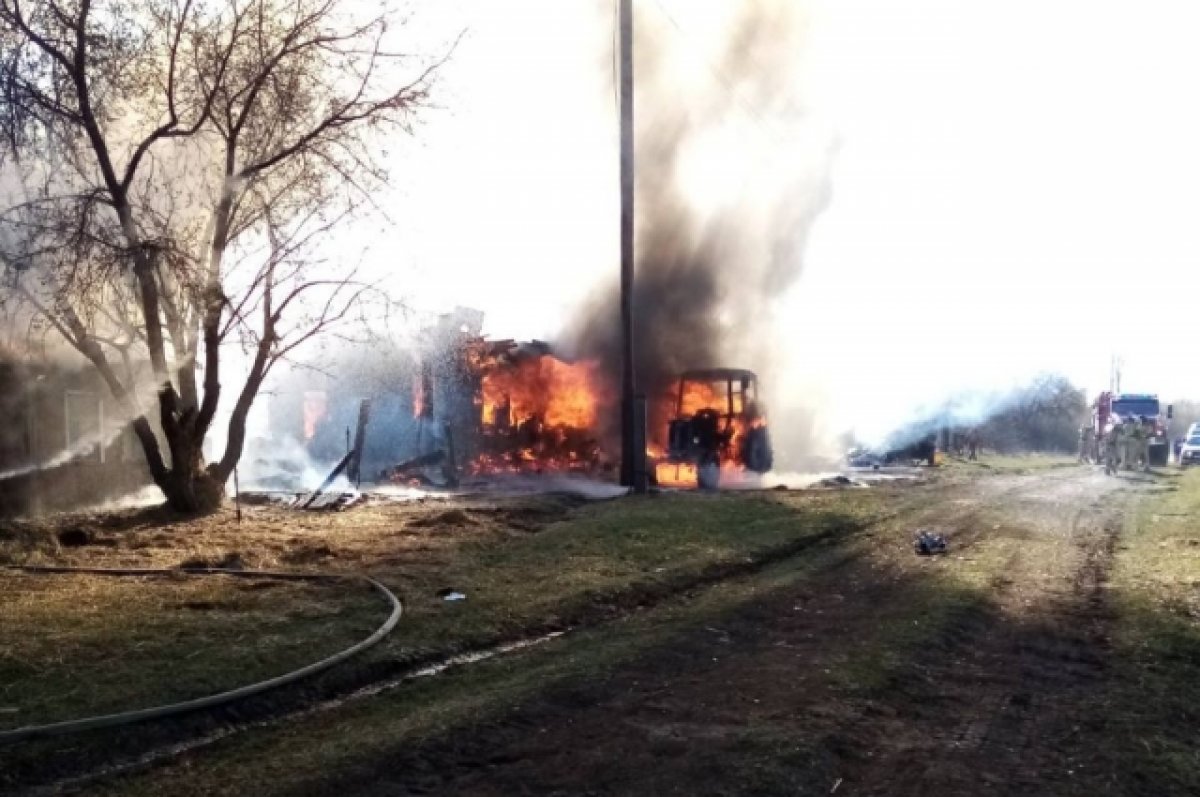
x,y
450,462
308,500
632,474
354,468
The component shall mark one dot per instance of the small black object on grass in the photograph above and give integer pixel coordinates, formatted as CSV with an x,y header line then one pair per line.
x,y
928,544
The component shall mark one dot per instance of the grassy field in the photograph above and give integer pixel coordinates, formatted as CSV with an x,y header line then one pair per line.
x,y
523,568
812,601
1155,586
882,611
1013,463
79,645
853,663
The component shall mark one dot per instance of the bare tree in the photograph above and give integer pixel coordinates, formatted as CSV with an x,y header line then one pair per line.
x,y
177,165
1044,415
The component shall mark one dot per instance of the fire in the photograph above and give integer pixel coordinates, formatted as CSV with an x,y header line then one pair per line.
x,y
316,407
537,413
557,393
702,395
421,407
737,415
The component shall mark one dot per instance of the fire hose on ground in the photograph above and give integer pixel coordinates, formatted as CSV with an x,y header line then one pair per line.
x,y
220,698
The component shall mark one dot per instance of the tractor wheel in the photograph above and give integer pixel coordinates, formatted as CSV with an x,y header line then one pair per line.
x,y
708,473
1159,456
756,450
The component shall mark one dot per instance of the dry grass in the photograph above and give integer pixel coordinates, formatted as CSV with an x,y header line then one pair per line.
x,y
1007,556
1155,587
294,757
73,645
78,645
1014,463
535,563
1160,554
614,543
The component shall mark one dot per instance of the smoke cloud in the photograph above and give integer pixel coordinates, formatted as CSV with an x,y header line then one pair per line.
x,y
732,169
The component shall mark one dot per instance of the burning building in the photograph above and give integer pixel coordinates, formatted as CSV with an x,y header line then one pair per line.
x,y
536,412
461,406
415,393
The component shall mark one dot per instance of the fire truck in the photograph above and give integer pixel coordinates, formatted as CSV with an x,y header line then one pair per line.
x,y
1110,408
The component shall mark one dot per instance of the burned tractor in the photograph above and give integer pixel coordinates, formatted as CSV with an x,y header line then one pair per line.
x,y
718,422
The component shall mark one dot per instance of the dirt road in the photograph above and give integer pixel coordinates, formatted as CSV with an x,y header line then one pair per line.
x,y
867,680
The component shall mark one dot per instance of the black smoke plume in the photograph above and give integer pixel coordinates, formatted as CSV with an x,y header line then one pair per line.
x,y
710,269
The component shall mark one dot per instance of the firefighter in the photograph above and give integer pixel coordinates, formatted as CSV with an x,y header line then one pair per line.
x,y
1127,449
1086,444
1133,444
1147,432
1112,449
1122,433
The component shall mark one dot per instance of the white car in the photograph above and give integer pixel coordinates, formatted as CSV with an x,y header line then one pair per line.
x,y
1190,453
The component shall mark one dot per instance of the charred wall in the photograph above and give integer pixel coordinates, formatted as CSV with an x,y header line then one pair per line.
x,y
389,375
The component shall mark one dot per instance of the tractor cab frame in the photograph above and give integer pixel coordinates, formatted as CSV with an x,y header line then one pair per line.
x,y
732,431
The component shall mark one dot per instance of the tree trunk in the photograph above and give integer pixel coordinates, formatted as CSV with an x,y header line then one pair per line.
x,y
189,486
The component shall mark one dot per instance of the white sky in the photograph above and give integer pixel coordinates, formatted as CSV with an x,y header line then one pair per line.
x,y
1017,188
1028,171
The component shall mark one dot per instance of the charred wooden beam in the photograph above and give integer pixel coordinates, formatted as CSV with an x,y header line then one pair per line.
x,y
354,467
450,464
412,468
337,471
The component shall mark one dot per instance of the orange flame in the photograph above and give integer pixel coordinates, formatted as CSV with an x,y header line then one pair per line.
x,y
683,474
540,414
316,407
420,401
702,395
559,394
738,413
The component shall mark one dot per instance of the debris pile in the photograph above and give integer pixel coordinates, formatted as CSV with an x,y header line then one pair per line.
x,y
928,544
840,482
537,413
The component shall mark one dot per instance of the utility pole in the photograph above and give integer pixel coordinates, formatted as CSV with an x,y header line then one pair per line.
x,y
633,433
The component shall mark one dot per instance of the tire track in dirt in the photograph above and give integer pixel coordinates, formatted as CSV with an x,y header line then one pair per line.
x,y
1005,710
679,718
